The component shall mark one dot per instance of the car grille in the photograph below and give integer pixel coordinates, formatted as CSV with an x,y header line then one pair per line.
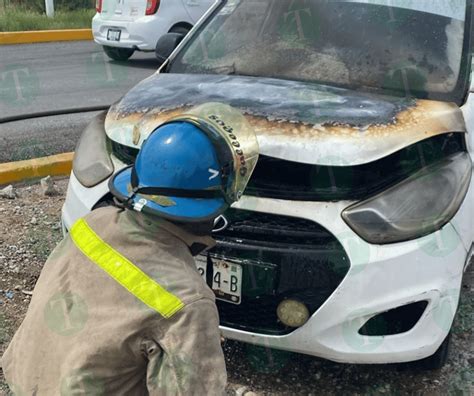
x,y
282,257
277,178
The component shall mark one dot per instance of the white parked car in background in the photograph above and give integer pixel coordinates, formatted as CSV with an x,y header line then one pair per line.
x,y
125,26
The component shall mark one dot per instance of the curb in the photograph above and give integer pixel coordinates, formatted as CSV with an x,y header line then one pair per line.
x,y
45,36
55,165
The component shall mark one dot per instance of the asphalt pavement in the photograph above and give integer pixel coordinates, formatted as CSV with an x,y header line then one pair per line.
x,y
55,76
41,137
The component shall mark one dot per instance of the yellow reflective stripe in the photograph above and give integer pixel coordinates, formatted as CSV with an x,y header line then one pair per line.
x,y
123,271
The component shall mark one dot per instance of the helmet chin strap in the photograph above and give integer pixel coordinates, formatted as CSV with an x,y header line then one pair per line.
x,y
134,183
132,196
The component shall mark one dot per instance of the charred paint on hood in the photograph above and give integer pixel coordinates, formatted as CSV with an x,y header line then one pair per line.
x,y
295,121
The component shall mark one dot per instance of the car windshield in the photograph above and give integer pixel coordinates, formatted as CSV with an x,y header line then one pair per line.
x,y
413,47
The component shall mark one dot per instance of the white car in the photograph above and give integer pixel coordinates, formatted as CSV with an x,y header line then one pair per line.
x,y
125,26
353,236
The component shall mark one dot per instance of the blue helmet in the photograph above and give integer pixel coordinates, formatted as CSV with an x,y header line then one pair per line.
x,y
186,169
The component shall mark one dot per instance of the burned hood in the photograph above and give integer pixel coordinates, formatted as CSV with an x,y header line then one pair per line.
x,y
295,121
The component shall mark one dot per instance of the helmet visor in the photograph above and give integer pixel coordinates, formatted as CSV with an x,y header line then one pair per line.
x,y
235,130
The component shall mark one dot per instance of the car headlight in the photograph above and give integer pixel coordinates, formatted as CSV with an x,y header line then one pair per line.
x,y
418,206
92,163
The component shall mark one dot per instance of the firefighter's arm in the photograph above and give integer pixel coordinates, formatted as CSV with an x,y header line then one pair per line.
x,y
192,361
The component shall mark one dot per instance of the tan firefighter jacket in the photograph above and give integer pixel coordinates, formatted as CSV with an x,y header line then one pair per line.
x,y
119,309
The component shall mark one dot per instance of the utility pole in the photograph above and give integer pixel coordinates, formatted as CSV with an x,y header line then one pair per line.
x,y
49,5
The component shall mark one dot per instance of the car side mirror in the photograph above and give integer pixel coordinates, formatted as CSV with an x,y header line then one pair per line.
x,y
167,44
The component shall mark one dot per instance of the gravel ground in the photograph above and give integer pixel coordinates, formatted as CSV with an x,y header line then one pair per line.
x,y
30,229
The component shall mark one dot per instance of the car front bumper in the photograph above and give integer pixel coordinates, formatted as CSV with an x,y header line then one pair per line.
x,y
380,278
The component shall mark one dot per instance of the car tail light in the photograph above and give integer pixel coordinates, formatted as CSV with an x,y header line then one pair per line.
x,y
98,6
152,6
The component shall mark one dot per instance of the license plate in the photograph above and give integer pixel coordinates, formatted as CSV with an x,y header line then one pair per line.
x,y
226,279
113,34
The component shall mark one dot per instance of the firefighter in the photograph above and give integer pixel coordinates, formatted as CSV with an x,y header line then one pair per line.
x,y
120,307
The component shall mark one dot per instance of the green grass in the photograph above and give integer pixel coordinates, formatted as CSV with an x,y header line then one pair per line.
x,y
13,20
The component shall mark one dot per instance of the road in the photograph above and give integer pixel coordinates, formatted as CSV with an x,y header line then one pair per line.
x,y
54,76
41,137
